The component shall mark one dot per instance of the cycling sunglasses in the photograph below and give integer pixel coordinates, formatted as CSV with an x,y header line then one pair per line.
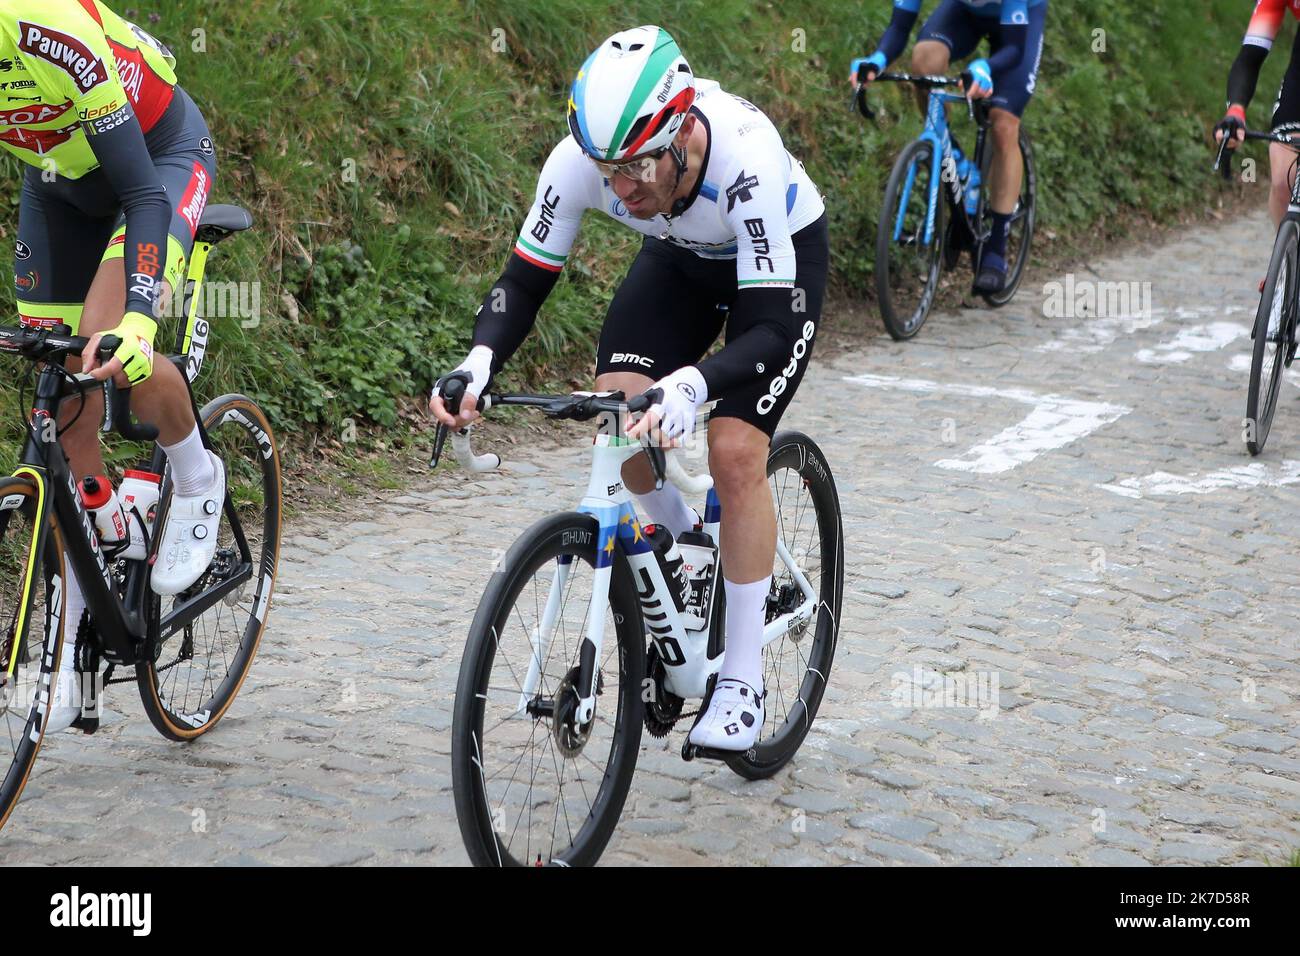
x,y
642,169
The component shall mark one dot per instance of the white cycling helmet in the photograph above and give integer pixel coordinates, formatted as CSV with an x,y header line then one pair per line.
x,y
631,95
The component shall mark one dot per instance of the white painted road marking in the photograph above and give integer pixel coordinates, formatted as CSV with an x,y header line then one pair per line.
x,y
1254,475
1055,422
1188,341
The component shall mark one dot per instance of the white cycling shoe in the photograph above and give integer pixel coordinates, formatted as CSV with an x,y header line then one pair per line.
x,y
733,720
189,540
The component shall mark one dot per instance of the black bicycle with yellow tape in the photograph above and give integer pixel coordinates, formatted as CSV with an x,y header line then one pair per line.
x,y
190,652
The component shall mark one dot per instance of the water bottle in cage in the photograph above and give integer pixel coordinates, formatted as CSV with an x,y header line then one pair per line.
x,y
670,563
700,557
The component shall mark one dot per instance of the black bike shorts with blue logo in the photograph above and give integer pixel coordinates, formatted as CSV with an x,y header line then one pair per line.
x,y
960,29
672,305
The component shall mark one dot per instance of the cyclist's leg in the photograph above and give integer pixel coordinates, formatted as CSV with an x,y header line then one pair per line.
x,y
1286,119
951,33
662,317
59,245
740,435
1012,90
185,159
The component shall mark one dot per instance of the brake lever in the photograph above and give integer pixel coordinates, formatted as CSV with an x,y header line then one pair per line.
x,y
1219,165
863,106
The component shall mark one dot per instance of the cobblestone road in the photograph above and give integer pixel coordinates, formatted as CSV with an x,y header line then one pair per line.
x,y
1063,505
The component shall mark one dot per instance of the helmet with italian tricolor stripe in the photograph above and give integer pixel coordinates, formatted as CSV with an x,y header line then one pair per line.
x,y
631,95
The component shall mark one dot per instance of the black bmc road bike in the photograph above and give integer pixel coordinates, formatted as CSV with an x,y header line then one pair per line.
x,y
1274,334
190,652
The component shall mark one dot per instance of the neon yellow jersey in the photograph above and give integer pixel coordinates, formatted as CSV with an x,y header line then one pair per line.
x,y
71,67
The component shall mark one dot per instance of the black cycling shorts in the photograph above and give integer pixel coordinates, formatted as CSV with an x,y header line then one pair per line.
x,y
671,306
960,28
67,227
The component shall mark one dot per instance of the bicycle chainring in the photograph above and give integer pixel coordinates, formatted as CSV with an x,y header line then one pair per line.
x,y
664,708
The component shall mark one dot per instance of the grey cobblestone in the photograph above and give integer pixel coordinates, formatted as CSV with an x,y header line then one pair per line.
x,y
1144,648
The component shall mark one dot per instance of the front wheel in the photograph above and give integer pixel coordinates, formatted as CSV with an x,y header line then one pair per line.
x,y
533,784
31,631
797,664
1274,335
908,243
201,663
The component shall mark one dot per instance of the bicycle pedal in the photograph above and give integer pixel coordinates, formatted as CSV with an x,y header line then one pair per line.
x,y
692,751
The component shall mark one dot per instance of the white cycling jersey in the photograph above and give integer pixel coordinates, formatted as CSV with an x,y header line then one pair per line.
x,y
751,197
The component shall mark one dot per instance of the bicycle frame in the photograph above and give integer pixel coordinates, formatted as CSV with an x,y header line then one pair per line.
x,y
120,623
685,653
936,133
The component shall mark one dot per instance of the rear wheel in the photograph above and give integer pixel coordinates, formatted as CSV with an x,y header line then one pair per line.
x,y
202,663
1274,335
532,785
797,664
908,267
31,633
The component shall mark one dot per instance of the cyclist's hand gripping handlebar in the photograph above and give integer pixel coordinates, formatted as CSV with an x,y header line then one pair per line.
x,y
117,402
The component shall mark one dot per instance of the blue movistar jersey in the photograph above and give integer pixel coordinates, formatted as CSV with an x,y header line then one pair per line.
x,y
1011,11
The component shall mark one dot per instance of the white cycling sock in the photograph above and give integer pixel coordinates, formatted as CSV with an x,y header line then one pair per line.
x,y
74,605
192,472
667,507
744,656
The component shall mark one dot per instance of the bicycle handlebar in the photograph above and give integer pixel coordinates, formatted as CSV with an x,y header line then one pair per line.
x,y
577,406
1226,169
40,345
925,81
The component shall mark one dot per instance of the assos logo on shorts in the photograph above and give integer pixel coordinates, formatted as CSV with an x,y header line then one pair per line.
x,y
66,52
776,388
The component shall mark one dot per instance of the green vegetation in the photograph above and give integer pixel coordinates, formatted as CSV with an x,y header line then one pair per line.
x,y
389,149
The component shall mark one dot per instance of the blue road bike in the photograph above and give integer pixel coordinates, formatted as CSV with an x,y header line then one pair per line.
x,y
924,227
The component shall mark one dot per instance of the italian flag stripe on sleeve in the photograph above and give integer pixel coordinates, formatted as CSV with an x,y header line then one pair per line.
x,y
766,283
535,257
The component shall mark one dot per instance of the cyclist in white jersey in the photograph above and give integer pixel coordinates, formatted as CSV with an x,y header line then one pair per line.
x,y
735,237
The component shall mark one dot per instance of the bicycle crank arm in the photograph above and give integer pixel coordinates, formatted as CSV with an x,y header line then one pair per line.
x,y
192,608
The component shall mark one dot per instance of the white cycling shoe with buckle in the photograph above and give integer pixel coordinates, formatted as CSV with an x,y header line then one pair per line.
x,y
733,720
189,540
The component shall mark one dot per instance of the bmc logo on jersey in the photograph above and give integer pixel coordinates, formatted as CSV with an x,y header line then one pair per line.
x,y
776,388
66,52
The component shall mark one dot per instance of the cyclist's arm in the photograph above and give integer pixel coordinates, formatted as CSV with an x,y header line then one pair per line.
x,y
899,30
118,143
765,319
563,194
1244,75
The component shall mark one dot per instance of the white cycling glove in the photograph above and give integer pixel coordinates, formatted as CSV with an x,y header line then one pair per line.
x,y
479,366
684,392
